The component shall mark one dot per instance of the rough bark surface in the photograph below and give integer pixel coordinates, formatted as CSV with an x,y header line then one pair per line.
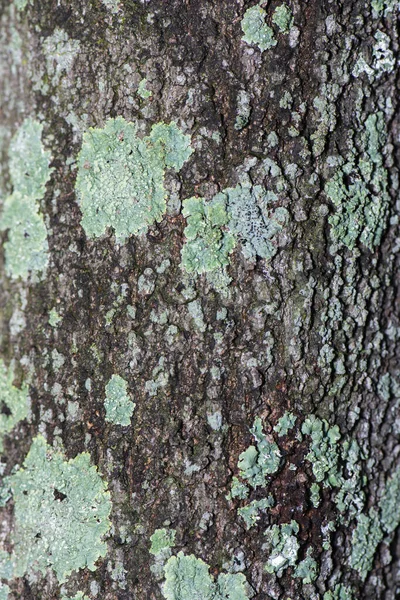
x,y
314,330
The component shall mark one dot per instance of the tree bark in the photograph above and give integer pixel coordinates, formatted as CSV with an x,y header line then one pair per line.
x,y
310,331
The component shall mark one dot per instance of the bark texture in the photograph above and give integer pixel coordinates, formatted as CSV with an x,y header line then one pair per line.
x,y
314,330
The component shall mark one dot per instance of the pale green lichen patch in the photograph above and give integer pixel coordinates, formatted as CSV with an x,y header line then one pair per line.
x,y
372,528
119,407
250,512
256,463
208,244
142,91
13,402
188,578
285,423
61,512
385,6
339,592
54,318
307,569
283,18
120,182
21,4
161,540
26,249
283,547
252,221
255,29
359,191
4,591
78,596
112,5
60,52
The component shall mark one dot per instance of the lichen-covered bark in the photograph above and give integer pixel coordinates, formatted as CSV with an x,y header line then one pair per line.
x,y
292,352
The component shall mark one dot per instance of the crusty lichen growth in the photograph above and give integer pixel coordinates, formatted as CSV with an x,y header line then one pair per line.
x,y
208,243
120,181
13,402
188,578
283,18
26,249
372,528
119,407
283,547
252,221
359,191
256,463
61,512
255,29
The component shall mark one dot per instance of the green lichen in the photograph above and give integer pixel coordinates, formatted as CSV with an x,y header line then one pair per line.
x,y
142,91
251,220
339,592
283,18
111,5
243,110
255,29
120,181
54,318
285,424
366,537
13,402
307,569
188,578
250,512
6,565
238,490
256,463
21,4
26,249
372,528
208,244
315,494
359,191
283,547
119,407
384,6
78,596
161,540
4,591
60,52
61,512
324,452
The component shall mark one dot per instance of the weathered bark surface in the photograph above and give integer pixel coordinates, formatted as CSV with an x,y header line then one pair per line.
x,y
261,359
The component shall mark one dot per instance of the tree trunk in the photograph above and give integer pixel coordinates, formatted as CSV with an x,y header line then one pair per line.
x,y
199,299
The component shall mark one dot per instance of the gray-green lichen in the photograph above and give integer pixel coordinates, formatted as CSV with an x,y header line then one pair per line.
x,y
61,512
54,318
384,6
60,52
255,29
13,402
4,591
373,527
26,249
307,569
250,512
112,5
78,596
188,578
119,407
285,424
142,91
283,18
208,244
339,592
283,547
256,463
120,181
359,191
162,541
252,221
